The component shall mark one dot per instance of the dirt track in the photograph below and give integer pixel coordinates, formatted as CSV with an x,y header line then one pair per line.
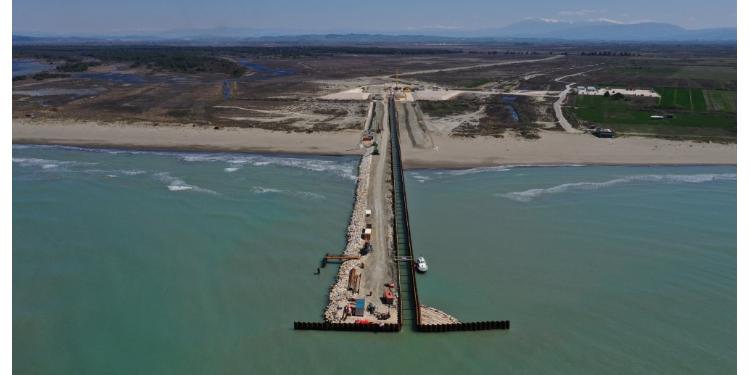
x,y
380,268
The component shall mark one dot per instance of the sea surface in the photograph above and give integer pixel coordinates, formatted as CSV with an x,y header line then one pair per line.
x,y
129,262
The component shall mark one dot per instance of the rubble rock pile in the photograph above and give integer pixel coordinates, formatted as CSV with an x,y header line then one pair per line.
x,y
339,294
431,315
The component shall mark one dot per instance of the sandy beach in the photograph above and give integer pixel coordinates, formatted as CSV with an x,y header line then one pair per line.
x,y
183,138
553,148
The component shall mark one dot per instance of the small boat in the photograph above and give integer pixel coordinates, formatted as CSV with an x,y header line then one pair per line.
x,y
421,264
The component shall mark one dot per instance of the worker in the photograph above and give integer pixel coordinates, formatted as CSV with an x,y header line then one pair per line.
x,y
318,271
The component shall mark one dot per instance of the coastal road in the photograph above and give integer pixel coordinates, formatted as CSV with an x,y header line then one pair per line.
x,y
561,99
478,66
559,112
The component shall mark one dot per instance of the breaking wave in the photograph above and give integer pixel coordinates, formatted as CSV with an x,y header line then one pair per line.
x,y
132,172
177,184
499,168
115,172
301,194
48,163
528,195
462,172
340,168
309,195
420,178
265,190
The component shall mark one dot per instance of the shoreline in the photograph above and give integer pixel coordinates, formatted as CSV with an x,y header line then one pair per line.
x,y
414,166
170,137
553,149
198,149
457,167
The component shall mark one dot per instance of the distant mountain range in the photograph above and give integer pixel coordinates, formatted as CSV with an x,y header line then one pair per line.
x,y
610,31
531,29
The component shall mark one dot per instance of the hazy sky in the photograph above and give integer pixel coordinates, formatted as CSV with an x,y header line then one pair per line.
x,y
106,16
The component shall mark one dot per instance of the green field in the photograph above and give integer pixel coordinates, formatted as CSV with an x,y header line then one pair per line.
x,y
688,106
720,100
682,98
708,73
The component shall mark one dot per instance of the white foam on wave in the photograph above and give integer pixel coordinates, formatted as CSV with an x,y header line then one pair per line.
x,y
341,169
47,163
309,195
265,190
231,169
528,195
301,194
500,168
132,172
462,172
420,178
115,172
177,184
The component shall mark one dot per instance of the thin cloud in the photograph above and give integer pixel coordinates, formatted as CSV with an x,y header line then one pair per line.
x,y
581,12
443,27
608,20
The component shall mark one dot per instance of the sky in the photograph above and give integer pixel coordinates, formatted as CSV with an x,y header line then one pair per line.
x,y
107,17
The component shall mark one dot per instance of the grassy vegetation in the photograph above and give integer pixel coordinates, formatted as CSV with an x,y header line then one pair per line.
x,y
682,98
691,117
41,76
191,59
720,100
479,82
448,107
704,73
517,114
75,66
166,58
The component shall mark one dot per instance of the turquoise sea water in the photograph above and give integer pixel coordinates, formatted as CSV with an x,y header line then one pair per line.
x,y
171,263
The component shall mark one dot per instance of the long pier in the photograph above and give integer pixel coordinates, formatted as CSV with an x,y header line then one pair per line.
x,y
408,294
409,307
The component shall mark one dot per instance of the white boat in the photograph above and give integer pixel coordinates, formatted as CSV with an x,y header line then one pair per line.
x,y
421,264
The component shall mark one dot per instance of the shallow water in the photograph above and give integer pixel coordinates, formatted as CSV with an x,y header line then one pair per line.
x,y
265,72
53,91
29,66
116,77
171,263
